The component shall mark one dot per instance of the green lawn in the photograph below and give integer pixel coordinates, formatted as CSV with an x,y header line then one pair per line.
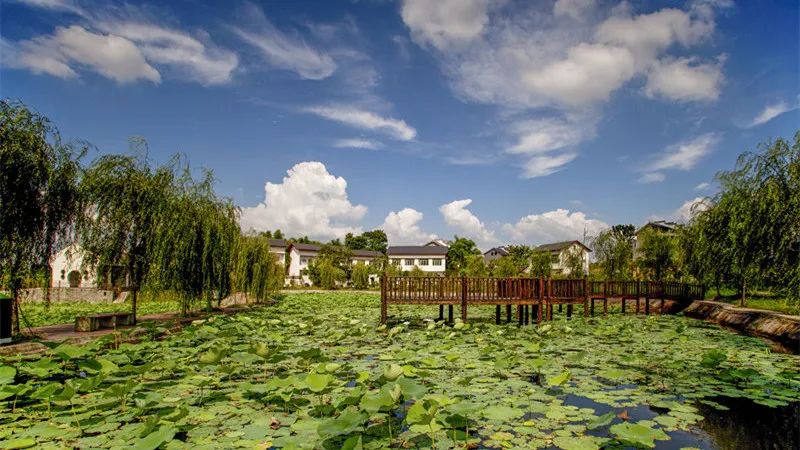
x,y
315,371
757,300
36,314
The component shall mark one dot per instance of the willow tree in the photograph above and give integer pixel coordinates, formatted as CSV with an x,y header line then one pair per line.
x,y
125,205
38,195
750,232
256,271
193,251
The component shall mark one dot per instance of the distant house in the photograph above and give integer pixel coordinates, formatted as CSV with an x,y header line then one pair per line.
x,y
278,248
68,269
300,256
661,226
429,258
438,243
561,250
495,253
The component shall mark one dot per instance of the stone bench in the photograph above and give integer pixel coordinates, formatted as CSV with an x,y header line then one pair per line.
x,y
98,321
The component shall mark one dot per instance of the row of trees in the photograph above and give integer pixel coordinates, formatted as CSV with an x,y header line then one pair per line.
x,y
164,228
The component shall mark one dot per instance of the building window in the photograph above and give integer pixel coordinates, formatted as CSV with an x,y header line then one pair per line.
x,y
436,262
303,261
422,262
409,262
396,261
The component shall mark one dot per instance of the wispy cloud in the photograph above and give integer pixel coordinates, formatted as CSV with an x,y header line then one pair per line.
x,y
283,50
685,155
366,144
366,120
772,111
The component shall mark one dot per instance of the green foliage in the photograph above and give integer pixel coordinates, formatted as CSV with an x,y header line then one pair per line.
x,y
541,264
37,314
39,198
573,260
416,272
369,240
314,372
460,249
657,254
476,266
613,251
257,272
360,275
325,273
126,204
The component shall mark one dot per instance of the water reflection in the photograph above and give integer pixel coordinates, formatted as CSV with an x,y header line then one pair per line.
x,y
744,426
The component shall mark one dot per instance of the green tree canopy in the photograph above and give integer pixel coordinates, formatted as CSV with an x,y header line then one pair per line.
x,y
457,254
613,250
375,240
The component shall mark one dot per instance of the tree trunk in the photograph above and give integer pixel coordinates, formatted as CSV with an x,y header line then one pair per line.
x,y
134,295
49,273
744,292
15,311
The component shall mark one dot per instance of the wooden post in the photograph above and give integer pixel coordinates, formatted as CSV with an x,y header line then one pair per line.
x,y
441,312
647,306
497,315
592,306
464,299
569,311
540,294
450,313
585,296
623,304
605,307
508,313
384,306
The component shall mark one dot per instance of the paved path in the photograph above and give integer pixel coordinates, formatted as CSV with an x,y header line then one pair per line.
x,y
65,332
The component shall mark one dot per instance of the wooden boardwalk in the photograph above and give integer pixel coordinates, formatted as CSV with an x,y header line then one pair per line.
x,y
530,296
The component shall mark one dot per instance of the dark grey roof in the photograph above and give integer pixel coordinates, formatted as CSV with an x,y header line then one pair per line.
x,y
366,253
557,246
503,250
306,247
401,250
277,243
662,224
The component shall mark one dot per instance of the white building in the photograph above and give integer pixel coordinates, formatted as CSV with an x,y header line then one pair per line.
x,y
278,248
367,257
300,256
68,271
560,252
429,258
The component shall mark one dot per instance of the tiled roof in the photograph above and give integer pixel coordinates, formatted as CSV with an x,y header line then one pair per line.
x,y
407,250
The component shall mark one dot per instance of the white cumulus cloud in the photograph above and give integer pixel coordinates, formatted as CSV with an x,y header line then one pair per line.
x,y
689,209
457,215
402,228
365,120
443,23
553,226
652,177
540,166
684,79
309,201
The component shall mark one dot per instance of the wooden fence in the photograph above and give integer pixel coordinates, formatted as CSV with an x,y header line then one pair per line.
x,y
529,295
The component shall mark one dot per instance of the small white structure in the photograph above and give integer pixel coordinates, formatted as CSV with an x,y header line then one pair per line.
x,y
68,271
429,258
560,252
300,256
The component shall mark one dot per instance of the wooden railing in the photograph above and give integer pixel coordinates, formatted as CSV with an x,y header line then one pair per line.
x,y
522,292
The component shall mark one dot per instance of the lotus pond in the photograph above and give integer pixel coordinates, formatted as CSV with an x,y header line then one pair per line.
x,y
315,371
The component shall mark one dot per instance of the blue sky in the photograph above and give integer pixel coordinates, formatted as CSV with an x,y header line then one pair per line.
x,y
505,121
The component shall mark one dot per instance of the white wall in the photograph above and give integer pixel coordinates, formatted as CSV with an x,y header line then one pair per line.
x,y
408,262
561,264
297,262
